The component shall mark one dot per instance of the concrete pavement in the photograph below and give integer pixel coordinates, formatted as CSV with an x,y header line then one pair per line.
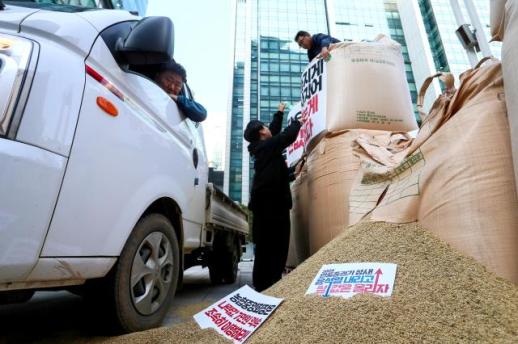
x,y
62,317
198,293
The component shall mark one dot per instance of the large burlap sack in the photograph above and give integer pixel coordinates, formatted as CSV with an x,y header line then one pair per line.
x,y
332,167
459,182
331,170
496,19
367,87
510,71
299,237
377,162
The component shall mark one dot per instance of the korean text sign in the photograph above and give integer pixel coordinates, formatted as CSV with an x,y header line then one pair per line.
x,y
239,314
347,280
314,100
296,149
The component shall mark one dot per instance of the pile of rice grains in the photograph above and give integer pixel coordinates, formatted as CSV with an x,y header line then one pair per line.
x,y
439,296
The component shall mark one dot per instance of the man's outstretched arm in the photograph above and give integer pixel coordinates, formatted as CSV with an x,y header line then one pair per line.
x,y
276,123
191,109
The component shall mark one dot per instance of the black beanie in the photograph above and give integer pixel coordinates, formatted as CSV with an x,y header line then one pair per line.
x,y
252,130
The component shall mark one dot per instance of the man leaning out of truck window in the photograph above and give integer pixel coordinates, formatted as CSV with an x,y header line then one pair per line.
x,y
171,78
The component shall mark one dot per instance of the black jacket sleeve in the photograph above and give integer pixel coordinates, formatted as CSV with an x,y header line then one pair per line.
x,y
276,124
286,137
291,173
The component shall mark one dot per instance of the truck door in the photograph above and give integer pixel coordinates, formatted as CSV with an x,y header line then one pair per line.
x,y
120,164
201,173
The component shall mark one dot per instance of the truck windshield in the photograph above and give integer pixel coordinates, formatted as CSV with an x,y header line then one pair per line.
x,y
58,5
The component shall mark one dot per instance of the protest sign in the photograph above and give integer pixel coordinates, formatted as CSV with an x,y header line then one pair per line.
x,y
314,100
347,280
296,149
239,314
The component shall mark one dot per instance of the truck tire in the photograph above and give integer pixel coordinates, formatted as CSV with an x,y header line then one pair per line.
x,y
141,286
223,266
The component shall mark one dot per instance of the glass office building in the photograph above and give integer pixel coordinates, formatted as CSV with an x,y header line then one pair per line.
x,y
429,27
266,71
268,63
439,19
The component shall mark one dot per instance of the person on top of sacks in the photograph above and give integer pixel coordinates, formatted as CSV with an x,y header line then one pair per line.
x,y
270,199
316,44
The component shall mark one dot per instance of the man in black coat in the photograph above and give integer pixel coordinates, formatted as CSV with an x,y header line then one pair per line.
x,y
270,199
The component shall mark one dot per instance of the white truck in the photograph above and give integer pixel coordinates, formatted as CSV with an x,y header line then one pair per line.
x,y
103,181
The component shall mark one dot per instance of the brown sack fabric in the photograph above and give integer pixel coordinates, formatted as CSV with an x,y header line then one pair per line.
x,y
367,87
459,182
332,168
510,71
299,235
496,19
377,162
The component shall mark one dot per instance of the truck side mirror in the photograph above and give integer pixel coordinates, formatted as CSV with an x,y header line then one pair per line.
x,y
151,41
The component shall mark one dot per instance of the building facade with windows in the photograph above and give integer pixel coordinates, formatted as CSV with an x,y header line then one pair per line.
x,y
268,63
433,45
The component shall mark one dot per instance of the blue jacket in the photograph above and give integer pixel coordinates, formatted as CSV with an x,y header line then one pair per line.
x,y
191,109
320,40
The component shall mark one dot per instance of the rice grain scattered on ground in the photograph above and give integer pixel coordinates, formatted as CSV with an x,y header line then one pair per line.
x,y
440,296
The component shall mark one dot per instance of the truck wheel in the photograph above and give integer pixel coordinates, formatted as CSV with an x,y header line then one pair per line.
x,y
223,267
230,267
144,280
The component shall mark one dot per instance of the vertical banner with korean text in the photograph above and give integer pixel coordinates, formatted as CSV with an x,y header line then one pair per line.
x,y
296,149
314,99
239,314
347,280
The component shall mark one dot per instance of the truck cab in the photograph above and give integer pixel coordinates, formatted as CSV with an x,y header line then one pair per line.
x,y
103,182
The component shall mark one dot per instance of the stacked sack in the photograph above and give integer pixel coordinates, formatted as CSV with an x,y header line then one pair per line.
x,y
504,26
367,95
367,87
299,235
456,179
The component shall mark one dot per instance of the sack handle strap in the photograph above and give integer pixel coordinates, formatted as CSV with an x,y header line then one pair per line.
x,y
484,59
446,78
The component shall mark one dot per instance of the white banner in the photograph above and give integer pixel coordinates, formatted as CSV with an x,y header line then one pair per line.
x,y
239,314
314,100
347,280
296,149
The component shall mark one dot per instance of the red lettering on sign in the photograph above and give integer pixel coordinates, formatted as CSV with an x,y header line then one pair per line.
x,y
243,318
312,105
234,331
228,308
254,322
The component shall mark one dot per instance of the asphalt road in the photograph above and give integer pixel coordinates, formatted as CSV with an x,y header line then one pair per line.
x,y
62,317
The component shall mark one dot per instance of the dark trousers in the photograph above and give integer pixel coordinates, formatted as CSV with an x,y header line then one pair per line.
x,y
271,232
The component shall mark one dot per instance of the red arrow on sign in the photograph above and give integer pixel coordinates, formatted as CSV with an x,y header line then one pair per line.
x,y
377,273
